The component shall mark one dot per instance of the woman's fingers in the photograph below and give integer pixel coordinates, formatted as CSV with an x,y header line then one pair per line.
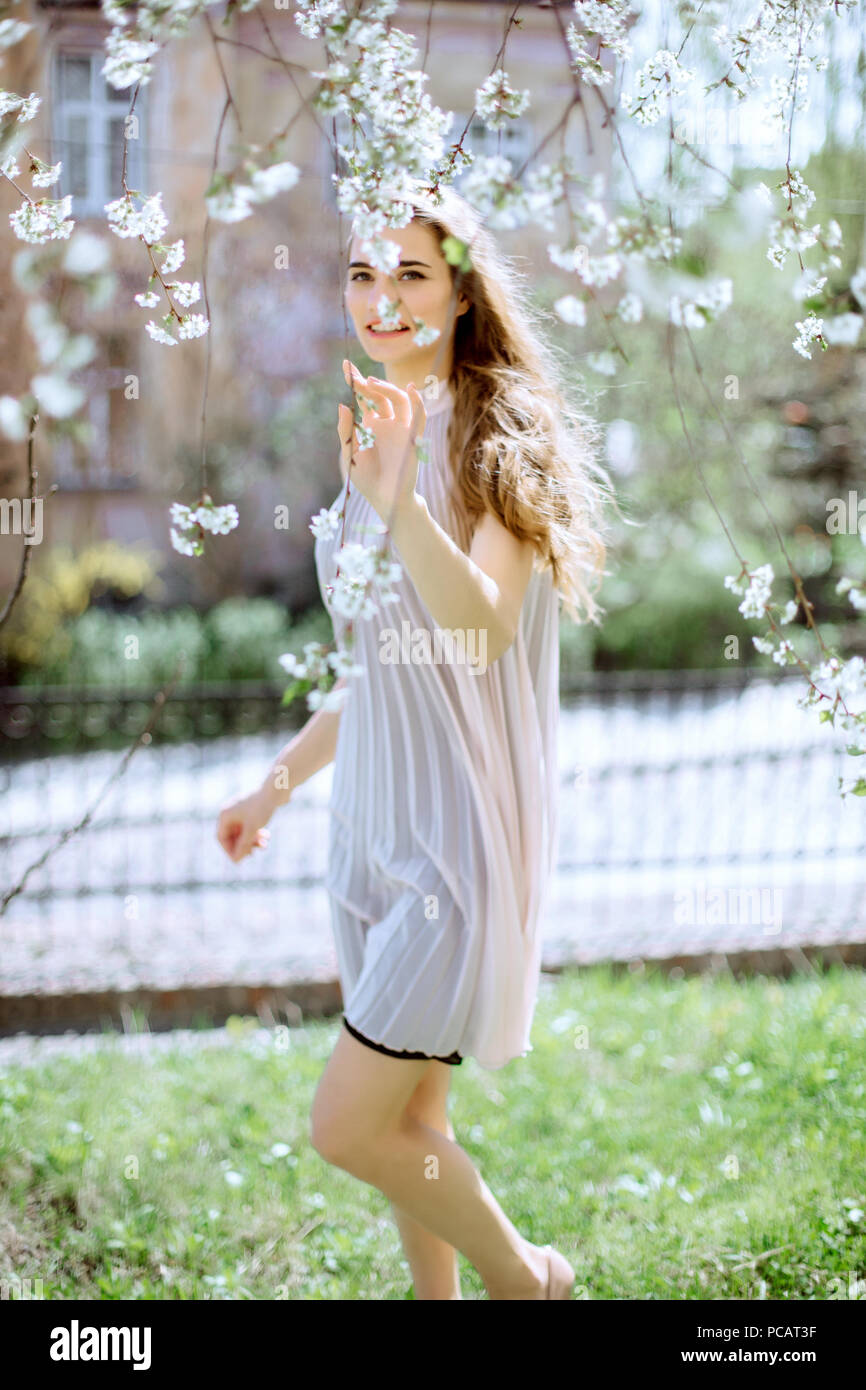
x,y
417,411
345,425
401,408
382,399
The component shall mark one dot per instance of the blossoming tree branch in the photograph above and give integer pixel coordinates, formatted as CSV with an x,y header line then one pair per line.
x,y
399,140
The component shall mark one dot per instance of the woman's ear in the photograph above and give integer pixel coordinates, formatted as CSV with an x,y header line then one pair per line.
x,y
463,303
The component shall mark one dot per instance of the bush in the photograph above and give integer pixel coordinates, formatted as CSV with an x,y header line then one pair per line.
x,y
61,587
238,639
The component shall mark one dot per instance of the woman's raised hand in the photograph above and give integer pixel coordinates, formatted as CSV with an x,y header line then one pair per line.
x,y
385,473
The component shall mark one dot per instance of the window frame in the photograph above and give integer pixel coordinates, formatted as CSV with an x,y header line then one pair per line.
x,y
99,111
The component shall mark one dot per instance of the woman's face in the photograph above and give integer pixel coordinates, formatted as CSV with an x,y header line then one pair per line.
x,y
422,282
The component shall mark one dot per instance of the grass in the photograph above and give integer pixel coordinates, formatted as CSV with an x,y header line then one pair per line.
x,y
678,1139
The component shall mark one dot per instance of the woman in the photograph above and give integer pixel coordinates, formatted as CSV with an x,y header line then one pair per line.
x,y
443,809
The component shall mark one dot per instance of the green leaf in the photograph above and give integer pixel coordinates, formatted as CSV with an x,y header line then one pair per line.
x,y
456,252
827,716
218,182
859,788
295,689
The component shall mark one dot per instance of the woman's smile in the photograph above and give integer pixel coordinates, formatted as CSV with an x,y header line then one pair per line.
x,y
387,332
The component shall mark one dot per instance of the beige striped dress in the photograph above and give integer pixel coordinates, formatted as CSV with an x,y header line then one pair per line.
x,y
443,811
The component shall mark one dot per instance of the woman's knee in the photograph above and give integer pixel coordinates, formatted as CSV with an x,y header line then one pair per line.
x,y
330,1141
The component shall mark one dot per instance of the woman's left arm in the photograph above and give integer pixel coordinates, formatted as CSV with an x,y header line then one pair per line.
x,y
481,591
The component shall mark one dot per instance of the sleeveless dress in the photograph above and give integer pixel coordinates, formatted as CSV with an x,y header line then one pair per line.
x,y
443,809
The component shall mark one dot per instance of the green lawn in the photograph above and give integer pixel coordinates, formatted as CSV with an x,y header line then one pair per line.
x,y
666,1135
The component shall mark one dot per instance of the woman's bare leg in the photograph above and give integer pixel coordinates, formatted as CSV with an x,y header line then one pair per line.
x,y
359,1123
433,1262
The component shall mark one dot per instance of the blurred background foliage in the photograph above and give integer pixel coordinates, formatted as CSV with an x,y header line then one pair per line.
x,y
800,426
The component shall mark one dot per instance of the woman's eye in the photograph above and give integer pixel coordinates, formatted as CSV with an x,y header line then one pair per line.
x,y
365,275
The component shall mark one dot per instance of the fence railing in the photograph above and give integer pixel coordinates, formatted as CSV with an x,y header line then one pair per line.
x,y
706,775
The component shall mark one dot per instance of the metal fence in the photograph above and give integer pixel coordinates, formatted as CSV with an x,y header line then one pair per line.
x,y
674,787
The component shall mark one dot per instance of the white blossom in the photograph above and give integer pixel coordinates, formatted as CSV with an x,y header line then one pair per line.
x,y
326,523
26,107
174,257
856,592
497,102
659,78
232,203
599,270
218,520
602,362
185,545
273,179
844,330
491,188
704,307
757,595
45,174
159,334
86,254
205,516
330,700
571,310
790,611
425,334
808,285
57,396
342,663
810,329
12,31
603,25
858,286
384,253
14,421
186,293
128,60
149,221
193,326
48,332
630,308
844,680
43,221
388,311
148,300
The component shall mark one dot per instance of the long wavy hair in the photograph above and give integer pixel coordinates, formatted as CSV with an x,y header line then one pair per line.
x,y
525,452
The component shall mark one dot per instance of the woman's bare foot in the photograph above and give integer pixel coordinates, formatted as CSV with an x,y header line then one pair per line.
x,y
542,1278
561,1274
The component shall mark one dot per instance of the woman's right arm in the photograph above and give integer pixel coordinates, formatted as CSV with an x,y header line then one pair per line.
x,y
304,755
241,824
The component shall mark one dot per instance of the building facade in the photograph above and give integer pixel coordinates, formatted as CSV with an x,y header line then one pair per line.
x,y
277,325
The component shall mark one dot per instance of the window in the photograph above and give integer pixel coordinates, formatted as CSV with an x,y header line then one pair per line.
x,y
107,460
88,124
514,142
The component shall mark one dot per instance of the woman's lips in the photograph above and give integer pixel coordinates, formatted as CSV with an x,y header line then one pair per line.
x,y
389,333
